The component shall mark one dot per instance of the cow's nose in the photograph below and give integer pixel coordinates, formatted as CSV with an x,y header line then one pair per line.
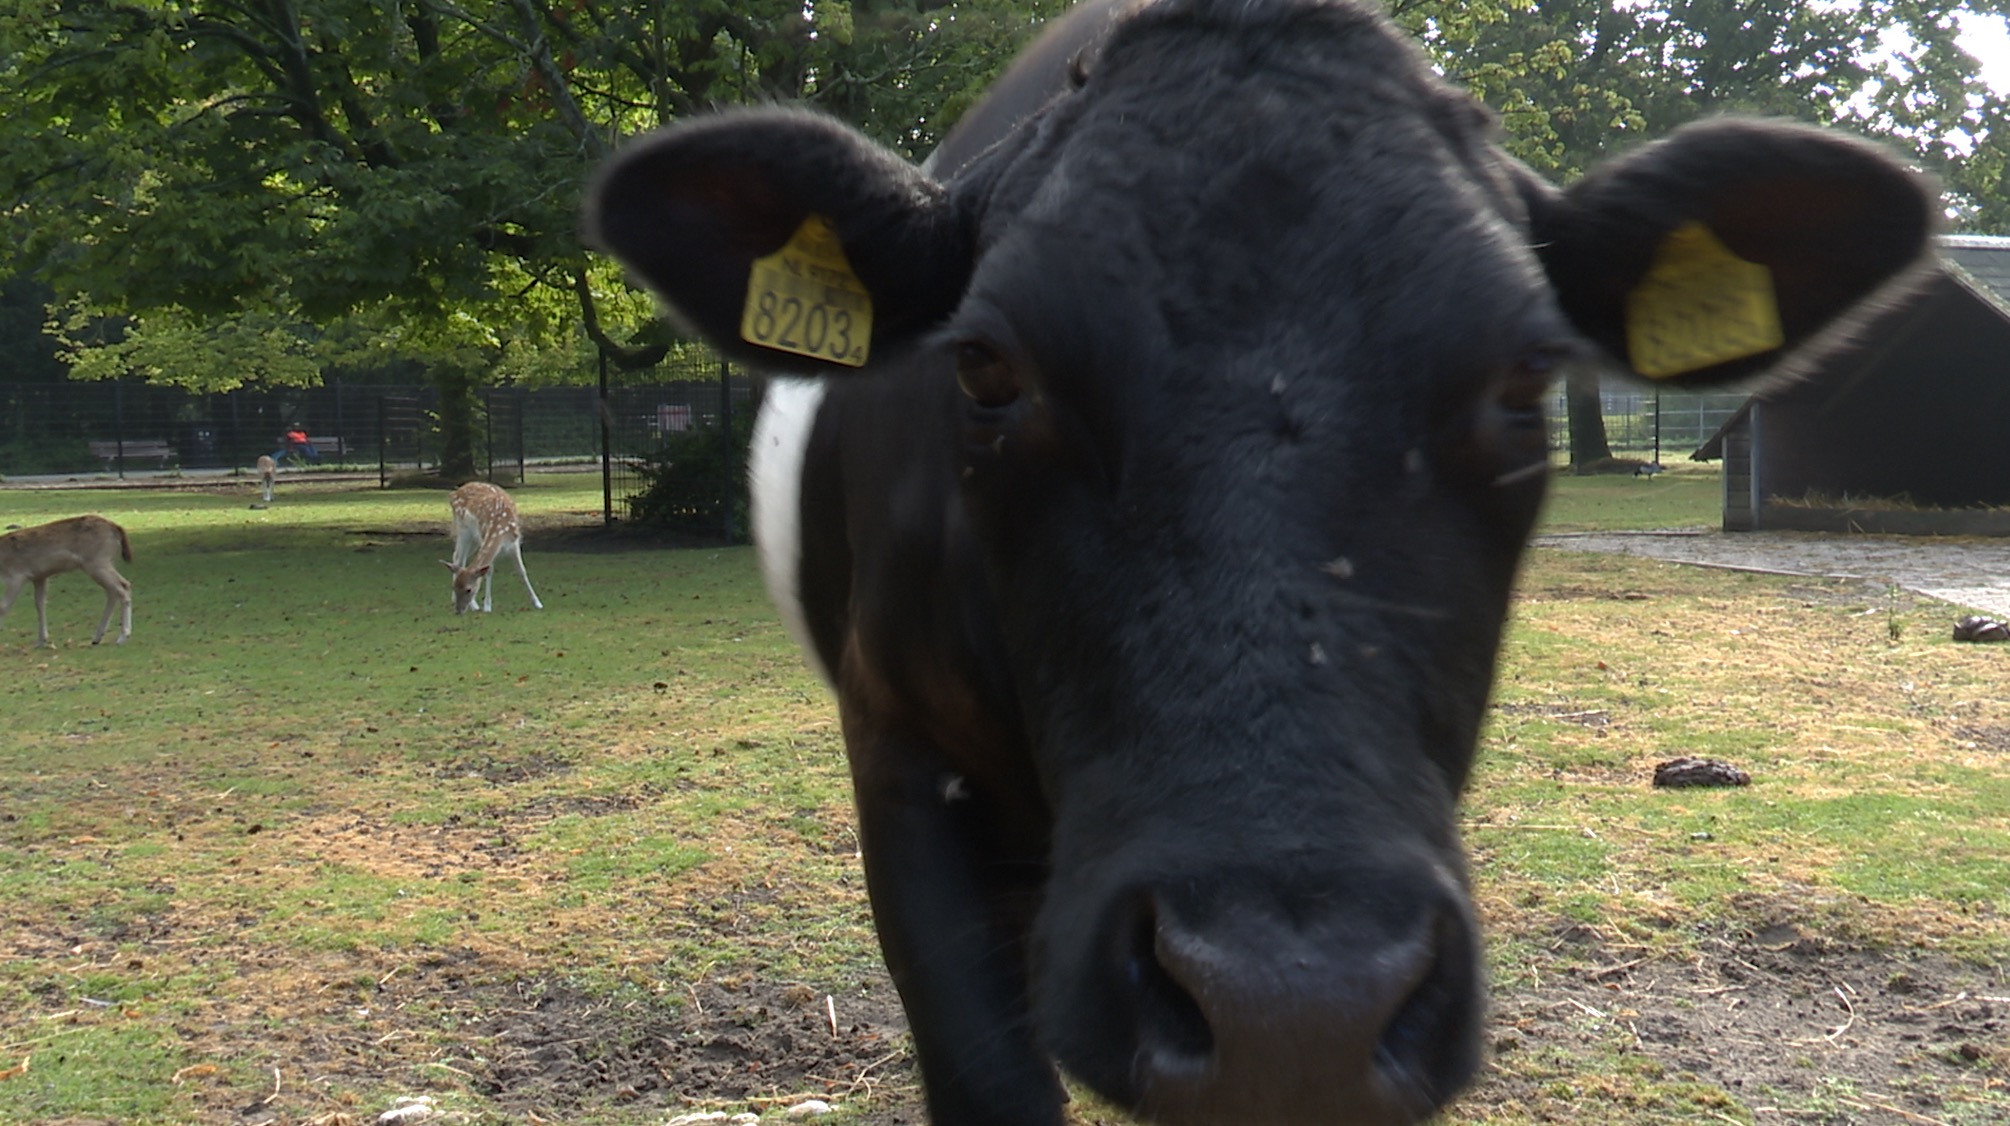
x,y
1275,1018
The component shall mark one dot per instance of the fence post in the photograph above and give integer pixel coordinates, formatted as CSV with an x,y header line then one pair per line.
x,y
726,490
521,453
606,452
1657,427
119,426
489,431
342,456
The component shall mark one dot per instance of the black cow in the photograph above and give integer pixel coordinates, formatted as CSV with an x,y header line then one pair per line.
x,y
1157,532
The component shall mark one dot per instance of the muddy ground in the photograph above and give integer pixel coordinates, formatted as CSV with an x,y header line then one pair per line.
x,y
1772,1018
1791,1027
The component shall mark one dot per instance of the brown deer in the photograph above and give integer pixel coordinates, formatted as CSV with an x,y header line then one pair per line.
x,y
81,543
485,526
267,470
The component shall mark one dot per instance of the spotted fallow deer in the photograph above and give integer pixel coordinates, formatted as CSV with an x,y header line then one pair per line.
x,y
82,543
485,526
267,470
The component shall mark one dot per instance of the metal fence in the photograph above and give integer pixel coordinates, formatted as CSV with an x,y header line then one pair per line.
x,y
670,441
69,428
685,441
1642,421
680,428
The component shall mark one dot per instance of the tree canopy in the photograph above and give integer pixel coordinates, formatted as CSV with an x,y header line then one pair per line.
x,y
247,188
422,160
1575,80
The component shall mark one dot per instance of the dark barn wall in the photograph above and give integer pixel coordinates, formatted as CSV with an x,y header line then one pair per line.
x,y
1925,414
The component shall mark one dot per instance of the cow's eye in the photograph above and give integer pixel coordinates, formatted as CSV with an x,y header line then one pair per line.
x,y
985,375
1535,372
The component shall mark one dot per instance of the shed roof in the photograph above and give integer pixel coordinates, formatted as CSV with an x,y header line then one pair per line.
x,y
1984,260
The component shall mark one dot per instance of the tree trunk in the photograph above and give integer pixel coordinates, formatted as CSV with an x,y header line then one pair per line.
x,y
456,385
1585,416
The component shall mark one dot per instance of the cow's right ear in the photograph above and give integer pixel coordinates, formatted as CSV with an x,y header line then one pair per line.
x,y
1732,245
784,238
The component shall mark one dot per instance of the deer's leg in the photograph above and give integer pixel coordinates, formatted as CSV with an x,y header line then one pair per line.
x,y
42,613
488,584
466,543
8,594
117,591
516,553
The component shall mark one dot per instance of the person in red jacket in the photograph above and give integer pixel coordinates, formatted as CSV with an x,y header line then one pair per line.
x,y
297,441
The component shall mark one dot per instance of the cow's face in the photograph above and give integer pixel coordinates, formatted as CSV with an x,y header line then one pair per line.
x,y
1252,374
1246,338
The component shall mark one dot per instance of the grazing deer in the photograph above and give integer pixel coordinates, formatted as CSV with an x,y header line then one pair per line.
x,y
267,470
485,526
81,543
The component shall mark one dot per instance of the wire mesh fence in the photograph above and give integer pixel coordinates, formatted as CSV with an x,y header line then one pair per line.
x,y
675,432
686,440
1661,425
670,441
114,427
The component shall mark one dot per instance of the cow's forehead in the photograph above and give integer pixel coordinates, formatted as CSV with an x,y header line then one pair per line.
x,y
1208,132
1270,218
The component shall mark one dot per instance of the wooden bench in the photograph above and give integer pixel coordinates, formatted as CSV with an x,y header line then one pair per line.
x,y
155,450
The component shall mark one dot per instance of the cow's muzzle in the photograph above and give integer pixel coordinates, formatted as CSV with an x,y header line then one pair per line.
x,y
1357,1008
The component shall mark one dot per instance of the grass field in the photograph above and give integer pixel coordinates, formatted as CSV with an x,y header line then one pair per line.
x,y
309,843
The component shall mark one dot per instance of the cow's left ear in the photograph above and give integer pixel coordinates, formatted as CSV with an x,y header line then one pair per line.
x,y
1721,250
784,238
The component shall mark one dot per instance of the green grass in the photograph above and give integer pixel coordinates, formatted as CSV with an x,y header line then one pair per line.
x,y
1684,495
303,754
308,822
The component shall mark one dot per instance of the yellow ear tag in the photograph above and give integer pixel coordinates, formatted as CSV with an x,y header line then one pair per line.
x,y
804,299
1699,305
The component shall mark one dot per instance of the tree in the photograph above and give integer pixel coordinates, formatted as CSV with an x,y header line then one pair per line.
x,y
231,171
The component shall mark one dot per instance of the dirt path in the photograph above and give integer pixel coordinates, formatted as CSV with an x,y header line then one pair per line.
x,y
1970,573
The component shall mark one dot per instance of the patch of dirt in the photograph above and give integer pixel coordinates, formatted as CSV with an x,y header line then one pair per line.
x,y
395,851
489,768
1990,737
1771,1018
738,1044
1563,713
578,805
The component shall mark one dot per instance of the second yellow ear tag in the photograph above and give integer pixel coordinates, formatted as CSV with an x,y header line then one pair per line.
x,y
1699,305
804,299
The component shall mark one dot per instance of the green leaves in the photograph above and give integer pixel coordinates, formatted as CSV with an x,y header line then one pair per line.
x,y
1575,80
172,347
222,171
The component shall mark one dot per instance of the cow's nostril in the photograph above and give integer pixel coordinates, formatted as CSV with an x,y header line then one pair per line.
x,y
1418,1054
1260,1010
1172,1029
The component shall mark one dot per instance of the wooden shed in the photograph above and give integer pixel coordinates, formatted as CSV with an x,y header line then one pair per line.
x,y
1906,431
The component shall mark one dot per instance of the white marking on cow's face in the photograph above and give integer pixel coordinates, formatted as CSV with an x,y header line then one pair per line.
x,y
775,476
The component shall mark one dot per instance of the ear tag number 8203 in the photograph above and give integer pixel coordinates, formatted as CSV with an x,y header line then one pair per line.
x,y
804,299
